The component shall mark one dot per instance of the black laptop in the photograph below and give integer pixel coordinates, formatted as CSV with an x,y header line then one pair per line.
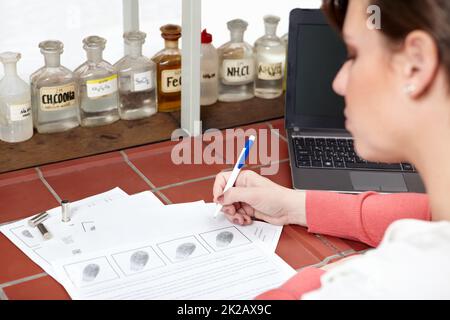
x,y
321,151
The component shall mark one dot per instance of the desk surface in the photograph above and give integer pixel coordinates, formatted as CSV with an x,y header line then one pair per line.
x,y
26,192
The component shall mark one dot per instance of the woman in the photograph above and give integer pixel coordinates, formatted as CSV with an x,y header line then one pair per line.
x,y
396,83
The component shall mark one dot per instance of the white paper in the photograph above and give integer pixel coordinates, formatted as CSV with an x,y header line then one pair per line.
x,y
209,259
67,238
267,233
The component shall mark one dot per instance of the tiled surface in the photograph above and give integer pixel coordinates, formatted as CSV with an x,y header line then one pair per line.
x,y
22,194
268,146
145,168
79,179
279,125
155,162
191,192
44,288
14,264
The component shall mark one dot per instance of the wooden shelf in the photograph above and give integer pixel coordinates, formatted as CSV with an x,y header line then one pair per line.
x,y
82,142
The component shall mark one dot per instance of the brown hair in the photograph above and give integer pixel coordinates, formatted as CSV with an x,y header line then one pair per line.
x,y
400,17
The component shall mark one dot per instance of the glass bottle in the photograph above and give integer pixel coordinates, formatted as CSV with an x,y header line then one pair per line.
x,y
97,79
236,65
209,73
54,92
285,40
137,80
168,70
16,123
270,53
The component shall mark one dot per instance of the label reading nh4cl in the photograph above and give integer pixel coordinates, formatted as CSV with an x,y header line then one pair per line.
x,y
143,81
101,87
240,71
19,112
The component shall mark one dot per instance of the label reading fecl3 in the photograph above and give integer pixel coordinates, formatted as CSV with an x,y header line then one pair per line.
x,y
171,81
143,81
101,87
239,71
19,112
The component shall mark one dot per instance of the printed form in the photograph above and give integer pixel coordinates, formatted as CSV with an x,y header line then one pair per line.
x,y
104,229
203,258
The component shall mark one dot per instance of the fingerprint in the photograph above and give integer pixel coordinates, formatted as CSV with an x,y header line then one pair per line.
x,y
185,250
27,233
138,260
90,272
224,238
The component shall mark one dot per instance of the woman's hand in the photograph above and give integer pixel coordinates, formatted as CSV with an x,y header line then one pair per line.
x,y
257,197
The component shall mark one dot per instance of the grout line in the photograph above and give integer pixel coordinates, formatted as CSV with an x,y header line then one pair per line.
x,y
143,177
3,295
19,281
49,187
277,133
214,175
327,243
267,165
327,260
185,182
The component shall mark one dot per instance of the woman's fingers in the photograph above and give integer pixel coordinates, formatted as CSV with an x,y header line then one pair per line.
x,y
219,184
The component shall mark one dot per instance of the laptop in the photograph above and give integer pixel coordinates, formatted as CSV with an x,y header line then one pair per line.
x,y
321,151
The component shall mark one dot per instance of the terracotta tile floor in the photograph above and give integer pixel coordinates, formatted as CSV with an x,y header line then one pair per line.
x,y
24,193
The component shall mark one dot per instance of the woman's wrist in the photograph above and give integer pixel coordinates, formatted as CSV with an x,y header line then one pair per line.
x,y
296,207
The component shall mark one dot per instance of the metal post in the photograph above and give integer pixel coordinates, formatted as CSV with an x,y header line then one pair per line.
x,y
190,101
130,17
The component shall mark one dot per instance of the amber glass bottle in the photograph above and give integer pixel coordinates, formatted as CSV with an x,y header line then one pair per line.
x,y
168,70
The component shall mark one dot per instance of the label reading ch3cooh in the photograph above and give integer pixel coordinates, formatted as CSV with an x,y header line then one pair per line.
x,y
57,98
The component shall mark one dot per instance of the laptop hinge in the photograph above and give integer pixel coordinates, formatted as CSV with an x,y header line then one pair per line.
x,y
296,131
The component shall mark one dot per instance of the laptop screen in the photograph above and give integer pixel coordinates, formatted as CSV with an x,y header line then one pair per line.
x,y
315,59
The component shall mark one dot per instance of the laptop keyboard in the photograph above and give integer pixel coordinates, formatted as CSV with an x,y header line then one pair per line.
x,y
338,154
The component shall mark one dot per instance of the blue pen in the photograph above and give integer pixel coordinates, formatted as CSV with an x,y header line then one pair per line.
x,y
237,169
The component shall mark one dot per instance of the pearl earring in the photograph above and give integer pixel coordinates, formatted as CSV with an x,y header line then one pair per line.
x,y
410,88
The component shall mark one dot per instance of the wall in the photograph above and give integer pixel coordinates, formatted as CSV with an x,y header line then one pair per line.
x,y
25,23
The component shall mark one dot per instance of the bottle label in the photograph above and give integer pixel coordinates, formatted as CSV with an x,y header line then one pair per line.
x,y
101,87
238,71
57,98
270,71
143,81
171,81
208,77
19,112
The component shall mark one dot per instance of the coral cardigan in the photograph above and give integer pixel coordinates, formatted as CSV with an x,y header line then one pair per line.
x,y
363,218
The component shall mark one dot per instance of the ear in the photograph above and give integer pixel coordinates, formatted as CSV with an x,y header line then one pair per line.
x,y
421,62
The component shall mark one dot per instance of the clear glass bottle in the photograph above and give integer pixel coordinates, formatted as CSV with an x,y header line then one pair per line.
x,y
285,40
16,123
168,70
54,92
209,71
236,65
270,54
97,79
137,80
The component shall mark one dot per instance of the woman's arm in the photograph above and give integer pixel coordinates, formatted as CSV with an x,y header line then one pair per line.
x,y
364,217
303,282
